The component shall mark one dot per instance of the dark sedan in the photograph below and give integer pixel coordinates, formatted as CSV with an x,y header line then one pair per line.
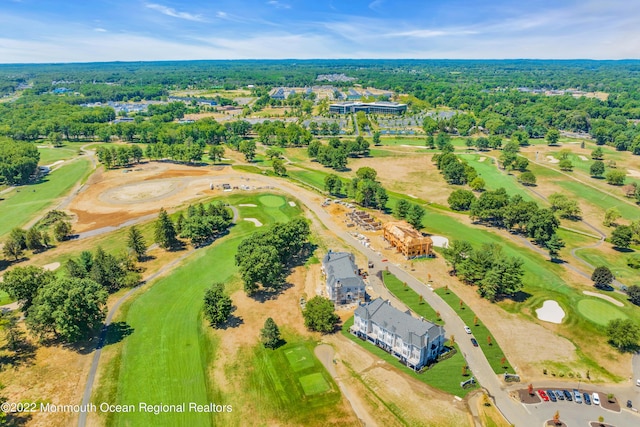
x,y
474,342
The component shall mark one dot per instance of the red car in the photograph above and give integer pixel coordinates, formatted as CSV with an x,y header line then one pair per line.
x,y
543,395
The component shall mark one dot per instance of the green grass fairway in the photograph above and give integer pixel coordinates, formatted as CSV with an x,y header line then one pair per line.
x,y
600,312
314,384
50,155
495,178
24,202
165,359
272,201
299,358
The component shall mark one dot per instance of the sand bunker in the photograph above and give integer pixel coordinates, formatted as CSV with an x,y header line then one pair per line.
x,y
440,242
52,267
141,192
604,297
247,205
292,203
583,158
482,159
550,312
552,159
254,220
412,196
633,173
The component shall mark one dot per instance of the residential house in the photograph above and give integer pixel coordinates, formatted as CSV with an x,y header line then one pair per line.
x,y
344,284
415,342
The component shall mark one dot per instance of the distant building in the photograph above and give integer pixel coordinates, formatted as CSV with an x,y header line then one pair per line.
x,y
415,342
407,240
344,285
379,107
281,93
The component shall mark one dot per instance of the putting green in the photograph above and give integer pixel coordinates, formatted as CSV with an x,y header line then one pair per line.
x,y
299,358
599,312
314,384
272,201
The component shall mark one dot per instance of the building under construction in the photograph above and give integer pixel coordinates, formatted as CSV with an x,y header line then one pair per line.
x,y
407,240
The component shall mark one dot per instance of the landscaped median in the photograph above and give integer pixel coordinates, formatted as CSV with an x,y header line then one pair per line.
x,y
409,297
445,375
489,346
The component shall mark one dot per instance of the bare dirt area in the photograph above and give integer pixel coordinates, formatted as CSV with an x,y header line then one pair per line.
x,y
113,197
28,383
375,383
415,174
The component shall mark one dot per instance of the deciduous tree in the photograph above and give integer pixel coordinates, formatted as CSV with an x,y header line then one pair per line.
x,y
319,315
217,304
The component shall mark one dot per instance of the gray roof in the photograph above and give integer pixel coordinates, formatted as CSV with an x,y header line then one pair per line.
x,y
340,267
409,328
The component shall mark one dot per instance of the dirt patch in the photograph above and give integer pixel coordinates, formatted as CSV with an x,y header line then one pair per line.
x,y
529,399
482,159
604,297
113,197
633,173
552,159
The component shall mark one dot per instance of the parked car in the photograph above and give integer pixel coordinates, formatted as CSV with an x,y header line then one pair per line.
x,y
577,397
638,382
552,395
567,395
543,395
474,342
559,394
587,399
629,404
596,398
467,329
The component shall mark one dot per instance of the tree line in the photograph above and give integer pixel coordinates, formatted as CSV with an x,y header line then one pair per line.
x,y
487,267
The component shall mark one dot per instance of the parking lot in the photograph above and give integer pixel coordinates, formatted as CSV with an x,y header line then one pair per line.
x,y
576,414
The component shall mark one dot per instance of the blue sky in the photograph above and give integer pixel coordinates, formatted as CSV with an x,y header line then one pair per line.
x,y
133,30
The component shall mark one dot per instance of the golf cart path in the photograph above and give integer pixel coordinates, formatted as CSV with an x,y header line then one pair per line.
x,y
325,353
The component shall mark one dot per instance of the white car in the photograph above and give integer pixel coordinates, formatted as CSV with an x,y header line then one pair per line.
x,y
467,329
595,398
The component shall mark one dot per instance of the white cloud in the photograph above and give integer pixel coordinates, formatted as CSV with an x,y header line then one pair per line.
x,y
375,4
100,30
174,13
279,5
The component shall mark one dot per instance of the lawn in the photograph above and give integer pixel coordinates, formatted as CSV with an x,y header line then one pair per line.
x,y
409,297
299,391
495,178
616,261
50,155
25,202
5,298
166,321
445,375
599,311
492,351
